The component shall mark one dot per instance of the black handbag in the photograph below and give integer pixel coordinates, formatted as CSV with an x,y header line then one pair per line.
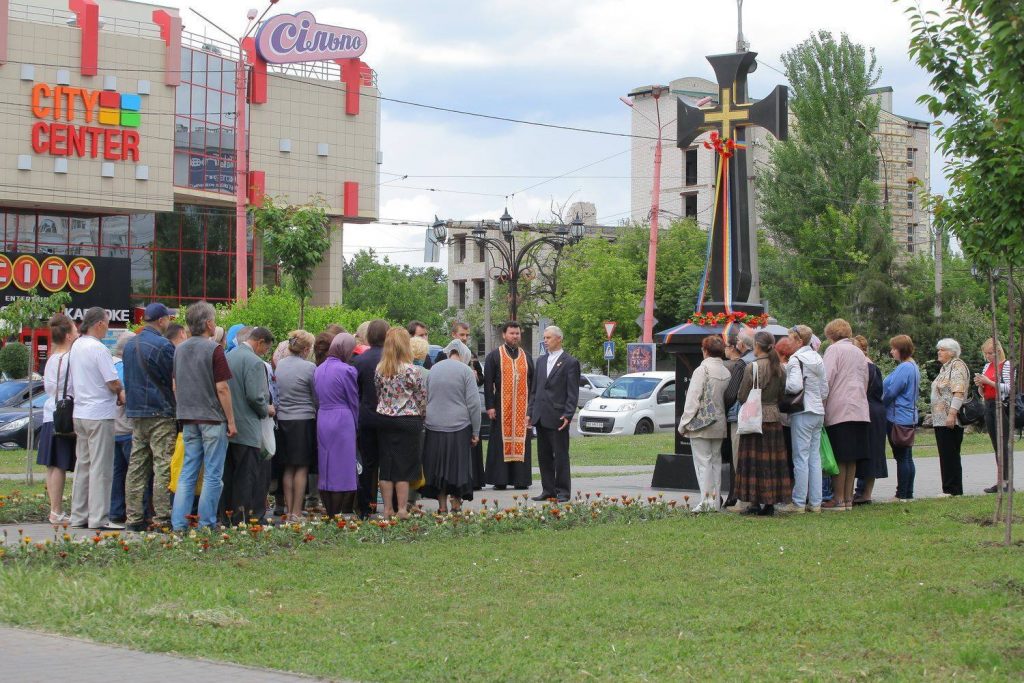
x,y
794,403
972,411
64,408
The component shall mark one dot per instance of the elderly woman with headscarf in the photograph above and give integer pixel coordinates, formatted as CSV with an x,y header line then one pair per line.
x,y
337,391
453,428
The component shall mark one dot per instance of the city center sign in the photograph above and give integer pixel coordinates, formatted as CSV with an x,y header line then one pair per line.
x,y
290,38
111,120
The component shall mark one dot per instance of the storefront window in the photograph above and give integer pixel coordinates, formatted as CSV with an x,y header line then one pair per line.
x,y
115,236
53,234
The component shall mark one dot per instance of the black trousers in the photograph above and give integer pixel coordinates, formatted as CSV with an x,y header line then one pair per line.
x,y
245,481
553,461
990,426
948,440
368,443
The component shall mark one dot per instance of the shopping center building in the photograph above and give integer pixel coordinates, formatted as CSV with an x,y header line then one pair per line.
x,y
117,153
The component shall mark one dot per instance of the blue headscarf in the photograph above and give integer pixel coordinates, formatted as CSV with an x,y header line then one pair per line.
x,y
230,336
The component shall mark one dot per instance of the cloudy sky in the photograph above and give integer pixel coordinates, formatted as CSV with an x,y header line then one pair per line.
x,y
555,61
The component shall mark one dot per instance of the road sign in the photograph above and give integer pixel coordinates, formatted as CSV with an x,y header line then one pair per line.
x,y
609,327
609,350
640,321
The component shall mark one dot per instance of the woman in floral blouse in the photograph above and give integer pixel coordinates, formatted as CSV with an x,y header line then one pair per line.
x,y
401,404
949,390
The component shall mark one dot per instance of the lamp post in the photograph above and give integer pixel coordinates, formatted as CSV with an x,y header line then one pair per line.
x,y
241,151
512,257
885,166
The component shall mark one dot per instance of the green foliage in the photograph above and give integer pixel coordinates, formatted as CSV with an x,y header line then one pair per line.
x,y
597,283
974,52
278,311
401,293
831,252
14,360
297,237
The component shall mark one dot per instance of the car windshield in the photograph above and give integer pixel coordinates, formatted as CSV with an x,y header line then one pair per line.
x,y
631,387
9,389
600,381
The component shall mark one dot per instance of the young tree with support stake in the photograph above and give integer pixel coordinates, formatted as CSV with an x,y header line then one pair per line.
x,y
298,238
30,312
974,51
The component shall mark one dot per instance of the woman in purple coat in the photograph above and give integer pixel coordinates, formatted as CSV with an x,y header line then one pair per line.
x,y
338,394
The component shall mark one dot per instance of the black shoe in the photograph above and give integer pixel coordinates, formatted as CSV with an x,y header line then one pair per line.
x,y
766,511
119,520
79,526
500,487
992,489
541,498
752,510
136,527
729,502
522,488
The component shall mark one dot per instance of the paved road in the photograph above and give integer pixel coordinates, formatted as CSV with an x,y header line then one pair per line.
x,y
31,657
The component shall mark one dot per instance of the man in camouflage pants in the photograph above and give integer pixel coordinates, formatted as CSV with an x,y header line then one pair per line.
x,y
148,375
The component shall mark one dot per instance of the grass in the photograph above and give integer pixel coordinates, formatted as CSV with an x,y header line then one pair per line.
x,y
13,462
923,592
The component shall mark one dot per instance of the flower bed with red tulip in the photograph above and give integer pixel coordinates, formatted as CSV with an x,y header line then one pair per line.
x,y
254,539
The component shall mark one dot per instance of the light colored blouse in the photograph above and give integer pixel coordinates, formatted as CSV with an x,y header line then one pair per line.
x,y
404,394
953,381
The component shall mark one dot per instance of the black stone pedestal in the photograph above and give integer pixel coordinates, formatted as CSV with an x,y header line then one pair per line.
x,y
673,471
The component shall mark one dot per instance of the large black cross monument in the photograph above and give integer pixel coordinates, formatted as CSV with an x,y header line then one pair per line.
x,y
729,285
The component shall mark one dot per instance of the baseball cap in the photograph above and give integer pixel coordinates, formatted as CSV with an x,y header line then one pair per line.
x,y
155,312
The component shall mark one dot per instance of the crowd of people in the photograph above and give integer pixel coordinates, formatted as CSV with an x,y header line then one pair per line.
x,y
189,425
801,398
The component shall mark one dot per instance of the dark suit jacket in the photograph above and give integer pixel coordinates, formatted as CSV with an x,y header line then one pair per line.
x,y
556,391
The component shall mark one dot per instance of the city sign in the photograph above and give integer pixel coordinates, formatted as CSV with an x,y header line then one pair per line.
x,y
290,38
113,116
93,281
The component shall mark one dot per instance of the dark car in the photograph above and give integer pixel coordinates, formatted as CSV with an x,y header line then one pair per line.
x,y
14,392
14,423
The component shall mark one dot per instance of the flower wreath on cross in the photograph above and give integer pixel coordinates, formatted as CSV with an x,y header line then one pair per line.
x,y
722,319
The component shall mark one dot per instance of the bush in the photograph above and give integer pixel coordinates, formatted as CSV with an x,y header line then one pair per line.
x,y
278,311
14,360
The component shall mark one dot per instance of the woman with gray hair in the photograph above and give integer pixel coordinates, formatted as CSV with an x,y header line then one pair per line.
x,y
453,428
949,390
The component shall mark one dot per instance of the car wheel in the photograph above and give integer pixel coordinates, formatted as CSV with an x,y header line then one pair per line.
x,y
644,426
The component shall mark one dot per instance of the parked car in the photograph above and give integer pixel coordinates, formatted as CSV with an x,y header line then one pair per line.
x,y
638,403
14,423
14,392
591,386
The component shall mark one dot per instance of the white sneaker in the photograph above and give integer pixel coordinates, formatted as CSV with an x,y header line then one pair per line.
x,y
790,509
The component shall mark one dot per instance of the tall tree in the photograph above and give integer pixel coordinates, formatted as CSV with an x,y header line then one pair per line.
x,y
297,237
974,52
404,293
819,202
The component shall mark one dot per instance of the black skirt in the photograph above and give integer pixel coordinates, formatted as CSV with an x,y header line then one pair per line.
x,y
875,466
55,451
298,437
448,464
401,439
849,441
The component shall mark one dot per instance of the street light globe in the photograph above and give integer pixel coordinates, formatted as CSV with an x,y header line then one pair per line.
x,y
506,224
440,230
577,229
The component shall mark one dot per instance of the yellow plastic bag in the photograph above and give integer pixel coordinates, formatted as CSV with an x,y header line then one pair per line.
x,y
177,461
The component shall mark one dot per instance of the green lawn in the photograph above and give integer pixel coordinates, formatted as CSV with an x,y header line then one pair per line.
x,y
13,462
893,592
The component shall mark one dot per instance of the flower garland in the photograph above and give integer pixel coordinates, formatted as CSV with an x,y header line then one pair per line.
x,y
723,319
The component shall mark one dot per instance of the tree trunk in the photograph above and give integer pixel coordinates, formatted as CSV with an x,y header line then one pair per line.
x,y
997,515
302,311
1013,394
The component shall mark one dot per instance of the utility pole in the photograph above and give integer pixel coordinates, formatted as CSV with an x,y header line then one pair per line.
x,y
741,43
939,234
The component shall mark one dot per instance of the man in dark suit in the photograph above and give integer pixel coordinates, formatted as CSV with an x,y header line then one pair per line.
x,y
553,401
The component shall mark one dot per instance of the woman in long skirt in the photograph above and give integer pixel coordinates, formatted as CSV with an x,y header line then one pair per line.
x,y
453,428
337,392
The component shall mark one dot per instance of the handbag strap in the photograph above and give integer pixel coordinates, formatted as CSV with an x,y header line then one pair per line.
x,y
755,385
68,375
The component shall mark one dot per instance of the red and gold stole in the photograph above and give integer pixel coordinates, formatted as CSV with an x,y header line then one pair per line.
x,y
514,398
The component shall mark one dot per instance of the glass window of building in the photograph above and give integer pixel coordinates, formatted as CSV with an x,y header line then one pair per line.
x,y
204,126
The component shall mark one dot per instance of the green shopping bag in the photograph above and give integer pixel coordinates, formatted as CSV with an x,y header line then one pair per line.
x,y
828,459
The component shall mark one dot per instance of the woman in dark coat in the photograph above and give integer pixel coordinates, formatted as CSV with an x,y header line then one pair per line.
x,y
874,467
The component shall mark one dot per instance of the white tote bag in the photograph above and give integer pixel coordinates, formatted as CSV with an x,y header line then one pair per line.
x,y
749,420
267,436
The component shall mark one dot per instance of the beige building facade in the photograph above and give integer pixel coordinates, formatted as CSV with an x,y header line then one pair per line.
x,y
119,143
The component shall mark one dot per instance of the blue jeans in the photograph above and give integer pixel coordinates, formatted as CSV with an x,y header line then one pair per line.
x,y
806,433
206,445
905,469
122,449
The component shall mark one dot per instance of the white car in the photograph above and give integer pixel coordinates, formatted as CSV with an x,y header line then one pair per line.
x,y
638,403
591,386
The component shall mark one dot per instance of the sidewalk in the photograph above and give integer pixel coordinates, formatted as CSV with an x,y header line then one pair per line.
x,y
30,657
